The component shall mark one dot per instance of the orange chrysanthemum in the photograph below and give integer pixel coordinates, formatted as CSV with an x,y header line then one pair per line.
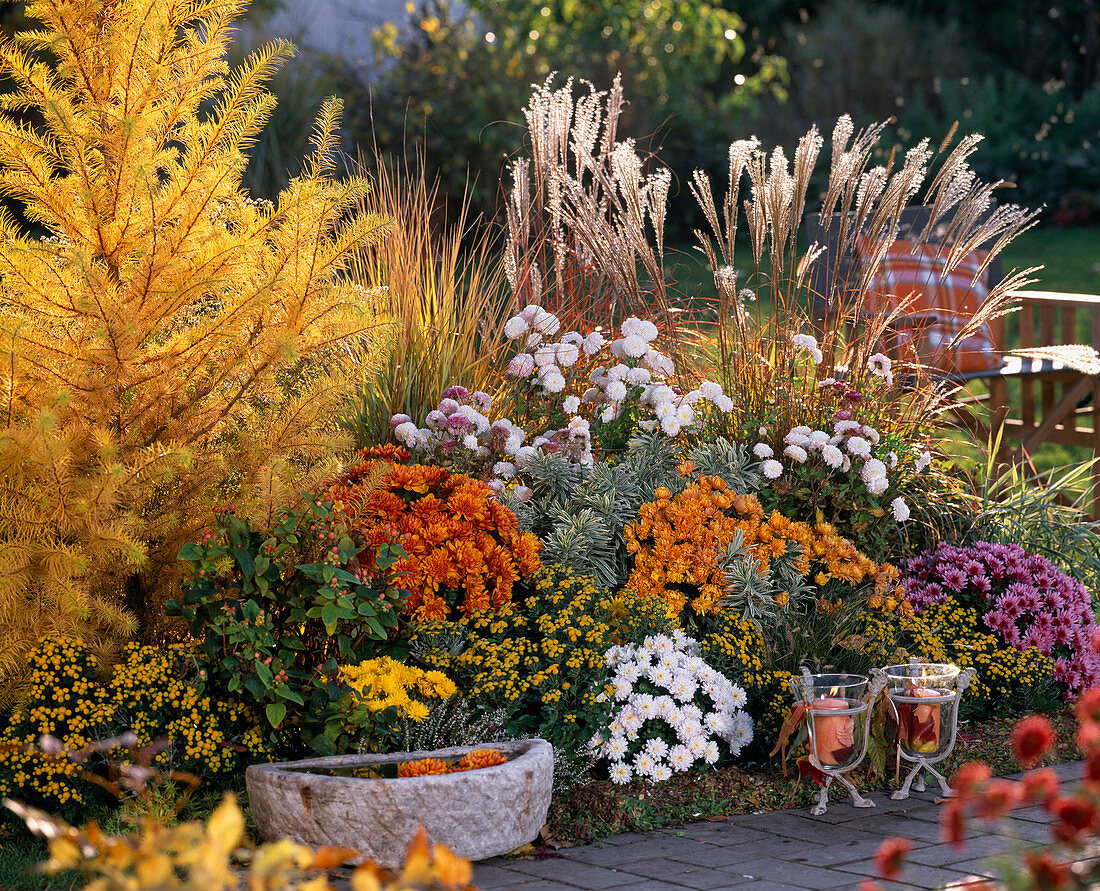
x,y
479,758
677,542
463,549
424,768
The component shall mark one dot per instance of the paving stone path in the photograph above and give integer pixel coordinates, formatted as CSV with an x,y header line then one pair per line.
x,y
767,852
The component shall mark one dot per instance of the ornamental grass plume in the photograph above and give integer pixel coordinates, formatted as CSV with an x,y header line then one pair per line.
x,y
757,352
442,298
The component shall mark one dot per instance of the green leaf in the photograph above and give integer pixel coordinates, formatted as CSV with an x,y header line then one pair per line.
x,y
190,551
264,673
290,693
244,559
276,711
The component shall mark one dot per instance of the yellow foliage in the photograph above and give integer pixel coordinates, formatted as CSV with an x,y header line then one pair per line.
x,y
194,857
169,343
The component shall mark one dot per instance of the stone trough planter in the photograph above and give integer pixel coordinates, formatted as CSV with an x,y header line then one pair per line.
x,y
477,813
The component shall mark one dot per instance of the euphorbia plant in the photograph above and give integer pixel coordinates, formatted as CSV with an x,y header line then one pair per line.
x,y
279,613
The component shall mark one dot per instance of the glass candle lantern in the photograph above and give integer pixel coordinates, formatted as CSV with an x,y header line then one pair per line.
x,y
838,717
924,699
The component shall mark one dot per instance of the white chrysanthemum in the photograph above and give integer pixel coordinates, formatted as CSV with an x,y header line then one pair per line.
x,y
643,764
615,748
710,390
723,403
659,363
670,427
593,343
448,406
762,450
900,509
870,434
546,323
879,364
818,439
504,469
661,773
633,346
525,455
873,469
570,405
568,354
534,339
892,459
480,422
546,354
514,441
685,414
832,456
515,327
406,433
522,493
878,485
804,341
618,372
859,447
530,311
638,377
608,414
679,758
620,773
470,442
711,753
521,365
657,748
553,380
796,453
797,438
578,428
771,469
923,461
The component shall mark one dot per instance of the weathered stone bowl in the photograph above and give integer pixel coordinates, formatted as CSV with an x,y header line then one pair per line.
x,y
477,813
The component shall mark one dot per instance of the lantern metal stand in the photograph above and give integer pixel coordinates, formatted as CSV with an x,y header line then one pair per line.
x,y
925,700
838,719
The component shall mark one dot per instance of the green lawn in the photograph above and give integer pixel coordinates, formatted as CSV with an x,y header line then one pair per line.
x,y
1070,257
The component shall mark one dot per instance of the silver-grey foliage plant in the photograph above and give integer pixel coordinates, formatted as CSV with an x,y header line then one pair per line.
x,y
579,513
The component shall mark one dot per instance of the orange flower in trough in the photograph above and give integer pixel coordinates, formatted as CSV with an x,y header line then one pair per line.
x,y
424,768
479,758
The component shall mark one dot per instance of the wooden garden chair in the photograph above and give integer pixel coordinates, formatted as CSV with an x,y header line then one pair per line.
x,y
1058,376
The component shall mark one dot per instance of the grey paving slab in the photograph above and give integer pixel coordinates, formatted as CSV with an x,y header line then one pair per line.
x,y
572,873
783,850
946,854
686,875
799,875
922,875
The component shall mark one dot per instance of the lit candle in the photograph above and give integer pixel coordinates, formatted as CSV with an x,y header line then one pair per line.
x,y
924,722
834,735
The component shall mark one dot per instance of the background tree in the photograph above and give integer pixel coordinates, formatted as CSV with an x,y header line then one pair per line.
x,y
458,81
171,344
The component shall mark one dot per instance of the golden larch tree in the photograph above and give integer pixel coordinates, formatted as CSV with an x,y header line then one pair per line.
x,y
168,344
